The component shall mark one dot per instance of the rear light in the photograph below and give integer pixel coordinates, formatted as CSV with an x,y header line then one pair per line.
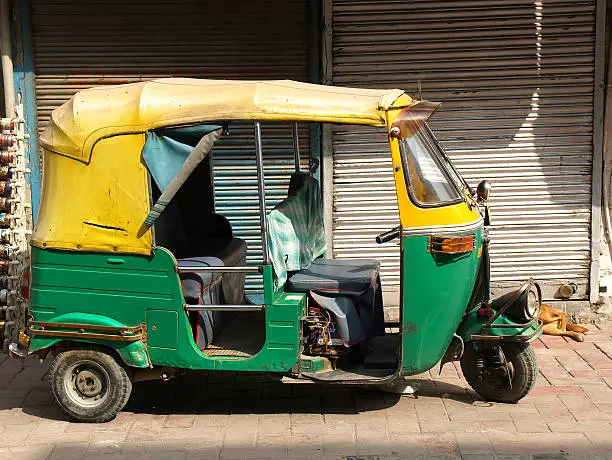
x,y
24,284
451,245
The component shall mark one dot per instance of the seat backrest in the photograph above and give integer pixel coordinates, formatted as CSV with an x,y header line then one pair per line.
x,y
170,232
296,234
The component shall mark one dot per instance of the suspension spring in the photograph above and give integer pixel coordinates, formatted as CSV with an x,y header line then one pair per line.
x,y
478,357
492,357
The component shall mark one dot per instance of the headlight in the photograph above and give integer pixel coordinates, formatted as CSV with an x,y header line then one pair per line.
x,y
532,305
522,305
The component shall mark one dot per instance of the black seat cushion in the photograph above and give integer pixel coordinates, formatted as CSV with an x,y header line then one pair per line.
x,y
335,275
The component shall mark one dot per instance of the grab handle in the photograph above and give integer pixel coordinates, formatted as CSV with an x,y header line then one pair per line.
x,y
388,236
115,260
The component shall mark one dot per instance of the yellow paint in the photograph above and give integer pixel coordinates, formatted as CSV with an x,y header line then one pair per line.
x,y
96,113
412,216
112,191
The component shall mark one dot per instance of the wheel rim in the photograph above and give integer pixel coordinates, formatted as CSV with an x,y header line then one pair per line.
x,y
87,384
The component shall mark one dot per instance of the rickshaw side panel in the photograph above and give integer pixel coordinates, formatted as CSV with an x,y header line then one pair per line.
x,y
119,286
131,290
436,291
99,206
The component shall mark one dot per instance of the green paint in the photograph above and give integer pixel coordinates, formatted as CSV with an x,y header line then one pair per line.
x,y
162,329
436,291
132,353
271,292
472,325
79,285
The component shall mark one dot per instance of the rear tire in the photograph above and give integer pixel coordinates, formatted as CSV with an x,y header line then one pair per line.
x,y
522,360
89,384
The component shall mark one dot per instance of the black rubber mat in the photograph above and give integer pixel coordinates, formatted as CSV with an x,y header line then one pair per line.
x,y
381,361
383,352
242,337
353,373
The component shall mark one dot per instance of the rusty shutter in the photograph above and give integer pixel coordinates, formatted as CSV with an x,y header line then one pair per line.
x,y
79,44
516,81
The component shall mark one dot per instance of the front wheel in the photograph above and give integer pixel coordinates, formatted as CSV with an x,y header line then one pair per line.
x,y
502,377
89,384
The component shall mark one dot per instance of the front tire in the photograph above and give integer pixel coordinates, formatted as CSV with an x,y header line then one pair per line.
x,y
89,384
523,372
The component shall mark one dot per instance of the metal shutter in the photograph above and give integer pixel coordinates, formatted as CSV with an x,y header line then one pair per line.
x,y
516,81
79,44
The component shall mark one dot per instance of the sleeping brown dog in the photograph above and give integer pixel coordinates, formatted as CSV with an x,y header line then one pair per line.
x,y
555,323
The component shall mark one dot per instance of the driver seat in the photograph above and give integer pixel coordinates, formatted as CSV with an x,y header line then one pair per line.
x,y
296,237
348,288
335,275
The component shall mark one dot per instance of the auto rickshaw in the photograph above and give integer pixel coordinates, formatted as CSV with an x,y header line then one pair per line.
x,y
134,275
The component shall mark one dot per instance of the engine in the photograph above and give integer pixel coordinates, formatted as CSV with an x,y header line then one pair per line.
x,y
321,333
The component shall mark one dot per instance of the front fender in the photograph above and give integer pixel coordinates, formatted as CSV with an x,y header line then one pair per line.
x,y
134,354
473,325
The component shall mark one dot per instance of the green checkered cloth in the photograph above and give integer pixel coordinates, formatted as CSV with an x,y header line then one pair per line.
x,y
296,234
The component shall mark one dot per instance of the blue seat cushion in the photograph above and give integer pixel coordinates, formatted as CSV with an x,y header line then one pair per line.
x,y
335,275
195,283
220,252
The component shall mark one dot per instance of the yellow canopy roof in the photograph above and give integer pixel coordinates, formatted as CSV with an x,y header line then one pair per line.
x,y
101,112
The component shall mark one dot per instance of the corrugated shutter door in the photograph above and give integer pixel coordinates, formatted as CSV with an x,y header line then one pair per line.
x,y
79,44
516,82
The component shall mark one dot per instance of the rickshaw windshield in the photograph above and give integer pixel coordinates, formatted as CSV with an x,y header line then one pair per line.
x,y
426,177
457,178
430,177
448,166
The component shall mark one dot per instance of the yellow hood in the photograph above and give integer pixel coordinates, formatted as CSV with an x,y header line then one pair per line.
x,y
97,113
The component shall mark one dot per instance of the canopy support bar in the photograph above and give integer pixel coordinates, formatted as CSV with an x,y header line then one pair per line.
x,y
262,193
198,269
225,307
296,145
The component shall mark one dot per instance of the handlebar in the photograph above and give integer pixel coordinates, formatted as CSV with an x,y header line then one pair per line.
x,y
388,236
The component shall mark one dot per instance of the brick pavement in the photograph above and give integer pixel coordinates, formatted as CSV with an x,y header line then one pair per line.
x,y
223,415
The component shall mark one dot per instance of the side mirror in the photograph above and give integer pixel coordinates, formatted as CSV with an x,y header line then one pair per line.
x,y
314,165
483,191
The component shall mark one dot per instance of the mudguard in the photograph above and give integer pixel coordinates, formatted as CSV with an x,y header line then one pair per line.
x,y
133,354
472,325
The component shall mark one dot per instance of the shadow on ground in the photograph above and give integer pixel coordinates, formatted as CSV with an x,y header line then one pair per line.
x,y
232,393
223,393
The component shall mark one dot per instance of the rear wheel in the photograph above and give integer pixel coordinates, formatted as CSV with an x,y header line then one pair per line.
x,y
495,383
89,384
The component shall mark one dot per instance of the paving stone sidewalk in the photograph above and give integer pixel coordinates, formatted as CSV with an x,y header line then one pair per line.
x,y
227,416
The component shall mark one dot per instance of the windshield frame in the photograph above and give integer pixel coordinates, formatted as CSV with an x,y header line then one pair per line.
x,y
443,163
